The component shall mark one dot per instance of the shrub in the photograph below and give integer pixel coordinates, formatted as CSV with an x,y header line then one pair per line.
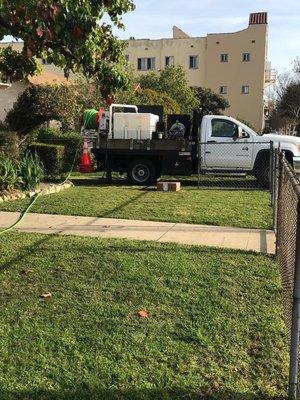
x,y
10,145
70,140
30,171
51,156
9,177
41,103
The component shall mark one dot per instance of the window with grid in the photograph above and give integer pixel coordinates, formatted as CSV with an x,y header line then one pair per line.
x,y
170,61
194,62
224,57
146,64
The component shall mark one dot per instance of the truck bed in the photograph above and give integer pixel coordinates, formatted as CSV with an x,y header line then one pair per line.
x,y
142,145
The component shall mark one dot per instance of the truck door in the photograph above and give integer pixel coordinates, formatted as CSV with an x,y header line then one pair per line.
x,y
223,150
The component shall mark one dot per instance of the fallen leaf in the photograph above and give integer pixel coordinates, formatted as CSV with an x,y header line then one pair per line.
x,y
46,295
143,314
27,271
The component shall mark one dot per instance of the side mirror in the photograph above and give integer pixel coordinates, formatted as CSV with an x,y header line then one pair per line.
x,y
241,134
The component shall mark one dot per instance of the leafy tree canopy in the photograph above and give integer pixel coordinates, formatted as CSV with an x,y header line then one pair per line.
x,y
150,97
289,104
42,103
210,102
173,81
71,34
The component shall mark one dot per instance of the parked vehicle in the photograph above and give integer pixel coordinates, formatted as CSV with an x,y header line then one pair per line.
x,y
133,142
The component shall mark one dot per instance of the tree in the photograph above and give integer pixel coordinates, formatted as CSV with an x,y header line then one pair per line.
x,y
71,34
150,97
173,81
289,104
41,103
210,102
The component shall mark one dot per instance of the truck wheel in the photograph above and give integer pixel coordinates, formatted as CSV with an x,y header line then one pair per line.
x,y
262,174
141,172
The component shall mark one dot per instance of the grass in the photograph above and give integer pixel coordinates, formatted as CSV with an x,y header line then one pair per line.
x,y
214,331
241,208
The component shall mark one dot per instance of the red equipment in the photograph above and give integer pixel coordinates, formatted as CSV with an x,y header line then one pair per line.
x,y
86,165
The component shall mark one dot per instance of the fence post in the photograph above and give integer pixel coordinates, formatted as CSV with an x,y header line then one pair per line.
x,y
272,163
295,330
275,189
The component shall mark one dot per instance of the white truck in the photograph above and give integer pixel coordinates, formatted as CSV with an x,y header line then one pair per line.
x,y
131,143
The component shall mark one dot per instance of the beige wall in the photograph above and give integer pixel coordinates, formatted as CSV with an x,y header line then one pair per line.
x,y
211,72
8,97
235,73
181,49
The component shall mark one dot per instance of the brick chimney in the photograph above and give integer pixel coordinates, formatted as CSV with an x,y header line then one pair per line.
x,y
258,18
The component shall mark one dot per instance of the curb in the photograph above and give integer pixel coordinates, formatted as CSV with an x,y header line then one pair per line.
x,y
53,188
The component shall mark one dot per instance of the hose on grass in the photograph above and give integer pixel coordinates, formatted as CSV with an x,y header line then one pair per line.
x,y
35,198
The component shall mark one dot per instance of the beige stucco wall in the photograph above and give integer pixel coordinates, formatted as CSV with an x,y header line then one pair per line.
x,y
181,49
8,97
211,72
235,73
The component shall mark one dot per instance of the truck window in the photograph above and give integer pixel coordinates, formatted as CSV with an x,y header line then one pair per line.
x,y
221,128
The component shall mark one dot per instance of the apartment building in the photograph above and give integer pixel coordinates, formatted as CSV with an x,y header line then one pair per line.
x,y
231,64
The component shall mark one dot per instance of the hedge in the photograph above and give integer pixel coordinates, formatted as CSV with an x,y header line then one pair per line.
x,y
51,156
70,140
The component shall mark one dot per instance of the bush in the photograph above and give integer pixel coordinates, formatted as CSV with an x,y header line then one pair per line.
x,y
9,177
41,103
30,171
51,156
10,145
70,140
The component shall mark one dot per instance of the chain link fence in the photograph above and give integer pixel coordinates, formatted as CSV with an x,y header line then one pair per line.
x,y
286,195
240,165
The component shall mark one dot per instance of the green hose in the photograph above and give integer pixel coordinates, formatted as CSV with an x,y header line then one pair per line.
x,y
90,119
23,214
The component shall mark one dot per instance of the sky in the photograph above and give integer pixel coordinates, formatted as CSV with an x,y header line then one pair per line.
x,y
155,18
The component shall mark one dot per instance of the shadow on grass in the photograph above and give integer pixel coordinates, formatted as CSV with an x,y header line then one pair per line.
x,y
123,205
205,183
23,254
131,394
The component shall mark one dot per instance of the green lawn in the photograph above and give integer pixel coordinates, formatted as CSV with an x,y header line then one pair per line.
x,y
242,208
214,331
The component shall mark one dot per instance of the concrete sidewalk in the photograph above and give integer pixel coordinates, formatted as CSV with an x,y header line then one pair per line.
x,y
232,238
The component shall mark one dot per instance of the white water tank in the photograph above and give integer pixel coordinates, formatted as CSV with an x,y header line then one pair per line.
x,y
134,125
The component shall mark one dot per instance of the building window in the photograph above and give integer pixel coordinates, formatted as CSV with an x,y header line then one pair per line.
x,y
245,89
223,89
246,57
224,57
146,64
127,57
170,61
194,62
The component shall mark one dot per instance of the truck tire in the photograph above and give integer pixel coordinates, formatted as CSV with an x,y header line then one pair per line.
x,y
262,171
141,172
